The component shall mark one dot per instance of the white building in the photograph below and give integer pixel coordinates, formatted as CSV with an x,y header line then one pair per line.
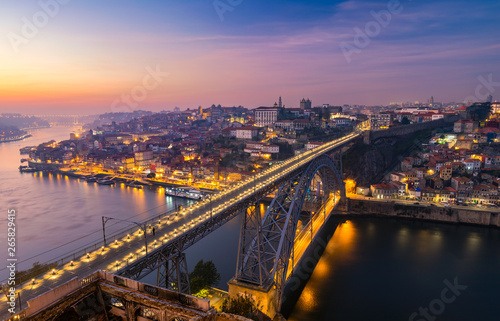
x,y
312,145
271,149
246,132
266,116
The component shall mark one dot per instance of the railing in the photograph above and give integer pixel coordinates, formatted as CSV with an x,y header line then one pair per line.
x,y
74,256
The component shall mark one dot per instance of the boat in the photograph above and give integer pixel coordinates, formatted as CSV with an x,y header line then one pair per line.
x,y
182,192
91,179
26,169
135,184
105,181
26,150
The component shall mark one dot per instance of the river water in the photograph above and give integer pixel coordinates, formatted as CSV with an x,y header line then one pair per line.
x,y
372,269
57,215
386,269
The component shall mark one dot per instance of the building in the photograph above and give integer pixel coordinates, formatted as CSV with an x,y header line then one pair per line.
x,y
143,159
465,144
266,116
246,132
312,145
305,104
465,126
381,120
458,167
445,172
461,184
104,296
341,122
271,149
384,190
406,165
472,165
495,107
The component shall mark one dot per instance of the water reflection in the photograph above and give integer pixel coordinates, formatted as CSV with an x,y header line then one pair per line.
x,y
387,277
55,209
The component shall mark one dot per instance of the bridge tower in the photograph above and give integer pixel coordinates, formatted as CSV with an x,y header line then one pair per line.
x,y
266,246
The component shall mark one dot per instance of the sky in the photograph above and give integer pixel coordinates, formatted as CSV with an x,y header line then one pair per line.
x,y
82,57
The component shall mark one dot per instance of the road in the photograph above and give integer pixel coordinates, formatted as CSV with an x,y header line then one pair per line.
x,y
168,228
424,203
303,237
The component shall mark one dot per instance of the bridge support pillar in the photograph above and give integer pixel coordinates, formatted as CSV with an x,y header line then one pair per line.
x,y
265,298
174,275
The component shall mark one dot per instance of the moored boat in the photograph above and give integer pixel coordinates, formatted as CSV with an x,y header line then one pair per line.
x,y
183,192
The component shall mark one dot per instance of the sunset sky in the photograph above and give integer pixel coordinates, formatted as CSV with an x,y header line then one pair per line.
x,y
90,54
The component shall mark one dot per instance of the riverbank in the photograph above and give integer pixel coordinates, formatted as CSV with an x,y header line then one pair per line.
x,y
457,215
15,138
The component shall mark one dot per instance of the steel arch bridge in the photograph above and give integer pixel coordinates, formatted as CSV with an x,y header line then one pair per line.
x,y
266,239
266,242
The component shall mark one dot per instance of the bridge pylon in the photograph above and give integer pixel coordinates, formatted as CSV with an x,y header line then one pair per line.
x,y
174,274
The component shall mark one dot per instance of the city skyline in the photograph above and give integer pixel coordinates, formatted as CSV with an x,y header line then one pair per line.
x,y
89,57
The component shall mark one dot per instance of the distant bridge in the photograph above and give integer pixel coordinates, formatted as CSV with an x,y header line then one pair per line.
x,y
62,119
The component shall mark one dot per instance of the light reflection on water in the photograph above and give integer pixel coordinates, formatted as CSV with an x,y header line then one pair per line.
x,y
388,277
53,209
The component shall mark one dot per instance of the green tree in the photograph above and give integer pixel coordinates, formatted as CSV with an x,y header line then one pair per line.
x,y
204,275
405,121
242,305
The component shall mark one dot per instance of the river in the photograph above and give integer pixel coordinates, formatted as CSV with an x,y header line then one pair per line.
x,y
386,269
372,269
56,215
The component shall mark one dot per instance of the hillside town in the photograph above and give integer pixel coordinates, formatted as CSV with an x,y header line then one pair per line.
x,y
218,146
459,167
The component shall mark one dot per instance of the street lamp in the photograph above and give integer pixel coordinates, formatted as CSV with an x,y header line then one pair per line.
x,y
211,210
143,227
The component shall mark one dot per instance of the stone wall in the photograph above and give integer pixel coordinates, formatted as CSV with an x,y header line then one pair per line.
x,y
373,135
424,212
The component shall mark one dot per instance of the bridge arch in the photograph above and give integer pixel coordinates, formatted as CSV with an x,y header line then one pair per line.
x,y
267,239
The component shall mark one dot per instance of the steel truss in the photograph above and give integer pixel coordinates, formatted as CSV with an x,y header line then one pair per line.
x,y
266,241
157,258
271,236
174,275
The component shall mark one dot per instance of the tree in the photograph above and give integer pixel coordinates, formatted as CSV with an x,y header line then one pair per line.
x,y
204,275
405,121
241,305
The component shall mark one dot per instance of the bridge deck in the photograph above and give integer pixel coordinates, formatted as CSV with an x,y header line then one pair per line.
x,y
174,232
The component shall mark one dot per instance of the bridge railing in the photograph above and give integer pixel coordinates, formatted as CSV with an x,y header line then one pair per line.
x,y
62,260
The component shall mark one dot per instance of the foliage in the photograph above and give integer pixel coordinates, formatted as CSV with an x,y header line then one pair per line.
x,y
405,121
286,151
204,275
202,294
227,160
244,306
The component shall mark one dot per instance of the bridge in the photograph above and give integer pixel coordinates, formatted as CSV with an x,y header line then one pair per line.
x,y
68,120
272,239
